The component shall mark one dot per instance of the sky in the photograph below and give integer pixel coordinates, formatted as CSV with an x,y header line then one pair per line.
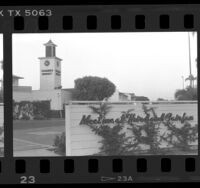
x,y
148,64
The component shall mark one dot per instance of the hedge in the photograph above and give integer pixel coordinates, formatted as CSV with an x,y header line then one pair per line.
x,y
29,110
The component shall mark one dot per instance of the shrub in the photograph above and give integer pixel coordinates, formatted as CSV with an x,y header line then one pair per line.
x,y
41,108
114,140
59,144
26,110
181,137
148,132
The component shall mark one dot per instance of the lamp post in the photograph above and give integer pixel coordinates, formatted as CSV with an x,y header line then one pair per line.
x,y
182,81
59,104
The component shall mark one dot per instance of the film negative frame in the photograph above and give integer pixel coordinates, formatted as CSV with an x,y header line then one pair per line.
x,y
92,18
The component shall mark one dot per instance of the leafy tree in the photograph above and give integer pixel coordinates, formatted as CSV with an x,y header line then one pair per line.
x,y
93,88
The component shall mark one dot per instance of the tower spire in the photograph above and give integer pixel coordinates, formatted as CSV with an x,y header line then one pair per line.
x,y
50,49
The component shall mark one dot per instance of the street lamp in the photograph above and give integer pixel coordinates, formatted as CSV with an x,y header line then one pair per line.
x,y
182,81
59,104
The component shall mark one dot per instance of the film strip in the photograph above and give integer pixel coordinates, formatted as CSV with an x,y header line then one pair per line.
x,y
50,134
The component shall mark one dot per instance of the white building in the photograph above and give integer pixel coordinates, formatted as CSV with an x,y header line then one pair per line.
x,y
119,96
50,82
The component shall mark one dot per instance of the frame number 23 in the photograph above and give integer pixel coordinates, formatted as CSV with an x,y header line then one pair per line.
x,y
27,179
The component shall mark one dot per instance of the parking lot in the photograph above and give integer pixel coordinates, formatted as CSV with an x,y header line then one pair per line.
x,y
36,137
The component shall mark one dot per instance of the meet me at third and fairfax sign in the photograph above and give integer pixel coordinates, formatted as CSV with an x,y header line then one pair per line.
x,y
132,117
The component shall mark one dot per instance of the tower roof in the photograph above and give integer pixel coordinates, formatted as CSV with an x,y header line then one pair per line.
x,y
50,43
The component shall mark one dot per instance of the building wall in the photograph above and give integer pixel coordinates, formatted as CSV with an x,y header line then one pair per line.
x,y
128,96
123,97
57,67
114,97
49,82
66,96
22,88
21,96
56,97
15,82
46,81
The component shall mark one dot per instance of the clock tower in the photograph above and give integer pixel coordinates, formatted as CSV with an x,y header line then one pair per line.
x,y
50,68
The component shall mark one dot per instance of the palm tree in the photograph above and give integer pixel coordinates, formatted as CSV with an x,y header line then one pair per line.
x,y
191,78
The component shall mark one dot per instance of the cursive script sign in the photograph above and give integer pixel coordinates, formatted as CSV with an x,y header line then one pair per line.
x,y
131,118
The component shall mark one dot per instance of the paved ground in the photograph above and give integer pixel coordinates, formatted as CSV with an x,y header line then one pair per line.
x,y
34,138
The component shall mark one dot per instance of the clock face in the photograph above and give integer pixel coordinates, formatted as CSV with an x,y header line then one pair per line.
x,y
47,63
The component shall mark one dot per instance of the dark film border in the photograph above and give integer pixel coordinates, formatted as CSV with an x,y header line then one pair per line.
x,y
139,18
